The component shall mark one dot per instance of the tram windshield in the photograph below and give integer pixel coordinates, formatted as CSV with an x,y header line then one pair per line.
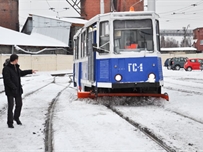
x,y
133,35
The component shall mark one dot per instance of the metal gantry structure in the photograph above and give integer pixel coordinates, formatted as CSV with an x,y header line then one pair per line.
x,y
177,32
76,5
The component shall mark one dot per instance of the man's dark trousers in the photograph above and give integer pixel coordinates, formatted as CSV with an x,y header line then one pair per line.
x,y
18,107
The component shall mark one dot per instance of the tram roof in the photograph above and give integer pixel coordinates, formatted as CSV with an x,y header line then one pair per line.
x,y
124,15
118,15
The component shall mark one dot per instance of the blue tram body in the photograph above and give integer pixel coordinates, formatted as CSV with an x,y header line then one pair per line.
x,y
103,64
132,70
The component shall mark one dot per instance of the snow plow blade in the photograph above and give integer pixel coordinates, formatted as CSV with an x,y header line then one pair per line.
x,y
92,95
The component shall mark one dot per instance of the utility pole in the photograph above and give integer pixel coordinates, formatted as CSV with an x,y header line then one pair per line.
x,y
185,29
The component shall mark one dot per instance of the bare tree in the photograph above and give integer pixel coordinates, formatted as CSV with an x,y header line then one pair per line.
x,y
162,42
169,42
186,42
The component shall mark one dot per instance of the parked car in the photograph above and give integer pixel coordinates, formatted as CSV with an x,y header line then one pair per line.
x,y
177,62
194,64
166,63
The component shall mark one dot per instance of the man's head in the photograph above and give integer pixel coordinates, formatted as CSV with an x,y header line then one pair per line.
x,y
14,59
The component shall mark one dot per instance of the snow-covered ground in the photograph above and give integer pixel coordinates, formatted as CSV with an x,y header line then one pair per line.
x,y
79,126
86,125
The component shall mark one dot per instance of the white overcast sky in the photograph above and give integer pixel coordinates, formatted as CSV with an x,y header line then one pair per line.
x,y
174,14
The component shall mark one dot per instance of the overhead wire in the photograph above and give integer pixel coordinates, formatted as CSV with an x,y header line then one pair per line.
x,y
48,4
184,8
184,13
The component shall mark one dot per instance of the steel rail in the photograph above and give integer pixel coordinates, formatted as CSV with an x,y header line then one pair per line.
x,y
144,130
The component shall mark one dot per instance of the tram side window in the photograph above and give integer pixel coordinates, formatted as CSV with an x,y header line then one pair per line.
x,y
83,44
158,35
77,48
104,37
82,41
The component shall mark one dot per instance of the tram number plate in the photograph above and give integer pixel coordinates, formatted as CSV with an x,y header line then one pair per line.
x,y
134,67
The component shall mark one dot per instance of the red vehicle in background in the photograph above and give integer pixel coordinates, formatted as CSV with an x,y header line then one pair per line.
x,y
193,64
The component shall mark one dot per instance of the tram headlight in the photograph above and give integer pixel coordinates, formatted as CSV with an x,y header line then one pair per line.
x,y
118,77
151,77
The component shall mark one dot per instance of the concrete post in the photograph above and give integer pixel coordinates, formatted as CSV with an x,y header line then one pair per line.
x,y
102,6
152,5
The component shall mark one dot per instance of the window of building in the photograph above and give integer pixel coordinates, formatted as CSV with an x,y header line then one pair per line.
x,y
201,42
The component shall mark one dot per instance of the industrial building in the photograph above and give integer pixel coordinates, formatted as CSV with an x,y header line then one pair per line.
x,y
89,8
198,39
9,9
41,35
9,14
48,35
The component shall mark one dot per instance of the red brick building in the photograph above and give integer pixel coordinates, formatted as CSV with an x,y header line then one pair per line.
x,y
198,37
90,8
9,14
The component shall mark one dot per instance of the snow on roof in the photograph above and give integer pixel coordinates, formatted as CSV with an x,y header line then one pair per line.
x,y
65,19
74,20
10,37
179,49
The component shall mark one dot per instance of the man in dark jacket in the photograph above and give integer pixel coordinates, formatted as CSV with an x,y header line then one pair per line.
x,y
13,88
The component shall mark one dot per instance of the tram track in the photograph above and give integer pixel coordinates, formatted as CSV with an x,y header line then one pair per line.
x,y
156,135
192,80
189,89
183,90
3,91
162,142
185,116
186,86
49,122
3,109
143,129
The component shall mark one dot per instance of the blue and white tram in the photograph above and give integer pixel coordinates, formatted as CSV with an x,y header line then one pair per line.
x,y
118,53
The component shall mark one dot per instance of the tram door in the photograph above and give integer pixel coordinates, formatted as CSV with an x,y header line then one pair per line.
x,y
91,56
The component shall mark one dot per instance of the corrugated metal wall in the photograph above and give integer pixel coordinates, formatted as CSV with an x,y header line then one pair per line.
x,y
56,29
